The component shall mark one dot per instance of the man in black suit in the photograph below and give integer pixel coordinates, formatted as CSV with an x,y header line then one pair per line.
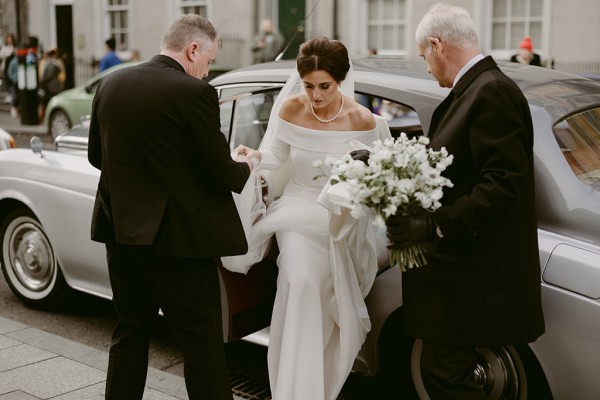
x,y
481,285
164,208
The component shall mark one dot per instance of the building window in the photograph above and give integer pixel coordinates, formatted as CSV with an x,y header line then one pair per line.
x,y
194,7
118,20
512,20
386,25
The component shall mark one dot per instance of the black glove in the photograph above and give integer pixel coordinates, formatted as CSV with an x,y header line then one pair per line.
x,y
405,231
360,155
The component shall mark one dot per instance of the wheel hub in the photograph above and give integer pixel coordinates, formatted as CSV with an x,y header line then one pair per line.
x,y
479,375
32,262
496,374
31,259
499,371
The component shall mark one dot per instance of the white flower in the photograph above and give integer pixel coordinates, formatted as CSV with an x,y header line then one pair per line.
x,y
406,186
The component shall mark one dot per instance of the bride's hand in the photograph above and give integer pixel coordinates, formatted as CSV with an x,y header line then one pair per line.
x,y
241,150
247,155
247,152
250,153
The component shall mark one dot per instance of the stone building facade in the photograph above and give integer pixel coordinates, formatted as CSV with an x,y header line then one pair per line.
x,y
564,32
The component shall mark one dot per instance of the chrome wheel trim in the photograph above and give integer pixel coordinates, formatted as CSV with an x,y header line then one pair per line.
x,y
59,123
500,372
32,267
497,373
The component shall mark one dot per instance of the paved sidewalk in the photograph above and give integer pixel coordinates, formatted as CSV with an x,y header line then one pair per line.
x,y
15,127
39,365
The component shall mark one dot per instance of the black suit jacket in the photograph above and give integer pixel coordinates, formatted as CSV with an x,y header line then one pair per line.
x,y
482,282
166,171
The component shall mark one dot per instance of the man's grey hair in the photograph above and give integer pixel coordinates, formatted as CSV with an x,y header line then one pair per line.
x,y
448,23
188,28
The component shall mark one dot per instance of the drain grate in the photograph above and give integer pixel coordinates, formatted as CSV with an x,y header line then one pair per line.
x,y
250,384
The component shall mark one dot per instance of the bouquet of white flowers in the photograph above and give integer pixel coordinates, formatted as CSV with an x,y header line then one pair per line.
x,y
402,176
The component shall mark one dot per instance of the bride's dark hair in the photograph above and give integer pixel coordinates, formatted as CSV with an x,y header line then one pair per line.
x,y
323,54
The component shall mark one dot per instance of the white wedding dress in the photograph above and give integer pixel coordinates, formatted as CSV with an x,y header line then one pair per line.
x,y
327,264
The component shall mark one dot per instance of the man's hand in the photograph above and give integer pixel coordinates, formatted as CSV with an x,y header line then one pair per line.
x,y
404,231
360,155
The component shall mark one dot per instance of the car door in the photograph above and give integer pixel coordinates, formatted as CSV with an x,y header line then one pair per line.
x,y
248,299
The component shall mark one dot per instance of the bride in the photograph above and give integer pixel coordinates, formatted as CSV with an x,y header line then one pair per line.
x,y
327,260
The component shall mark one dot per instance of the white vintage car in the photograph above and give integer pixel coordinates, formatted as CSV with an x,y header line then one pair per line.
x,y
46,201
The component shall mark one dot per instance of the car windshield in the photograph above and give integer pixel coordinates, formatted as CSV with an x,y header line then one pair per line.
x,y
579,139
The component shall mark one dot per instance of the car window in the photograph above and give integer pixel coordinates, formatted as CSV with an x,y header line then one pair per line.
x,y
234,90
249,112
252,117
226,110
400,117
248,102
578,137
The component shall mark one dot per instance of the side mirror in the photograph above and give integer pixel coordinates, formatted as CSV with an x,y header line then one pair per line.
x,y
36,145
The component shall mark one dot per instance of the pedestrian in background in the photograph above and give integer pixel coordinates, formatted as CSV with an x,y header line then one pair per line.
x,y
52,78
526,54
6,50
10,75
164,209
268,43
481,285
110,58
12,78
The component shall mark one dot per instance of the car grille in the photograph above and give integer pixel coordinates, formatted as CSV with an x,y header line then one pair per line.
x,y
250,384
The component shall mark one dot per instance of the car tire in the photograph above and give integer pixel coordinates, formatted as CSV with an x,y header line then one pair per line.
x,y
59,123
28,261
504,372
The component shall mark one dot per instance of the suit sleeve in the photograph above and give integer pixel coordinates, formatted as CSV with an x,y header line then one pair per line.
x,y
211,145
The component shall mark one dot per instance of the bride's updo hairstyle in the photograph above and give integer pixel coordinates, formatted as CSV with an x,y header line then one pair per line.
x,y
323,54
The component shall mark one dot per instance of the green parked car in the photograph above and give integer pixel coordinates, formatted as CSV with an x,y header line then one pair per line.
x,y
71,106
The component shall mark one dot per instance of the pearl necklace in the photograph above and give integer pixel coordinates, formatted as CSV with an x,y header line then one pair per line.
x,y
312,108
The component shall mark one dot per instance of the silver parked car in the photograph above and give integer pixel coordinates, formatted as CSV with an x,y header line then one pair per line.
x,y
46,203
75,139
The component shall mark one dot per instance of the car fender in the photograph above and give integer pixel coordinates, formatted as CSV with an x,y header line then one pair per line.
x,y
59,190
384,298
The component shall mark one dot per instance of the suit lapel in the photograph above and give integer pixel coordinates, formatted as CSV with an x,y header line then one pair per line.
x,y
439,114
